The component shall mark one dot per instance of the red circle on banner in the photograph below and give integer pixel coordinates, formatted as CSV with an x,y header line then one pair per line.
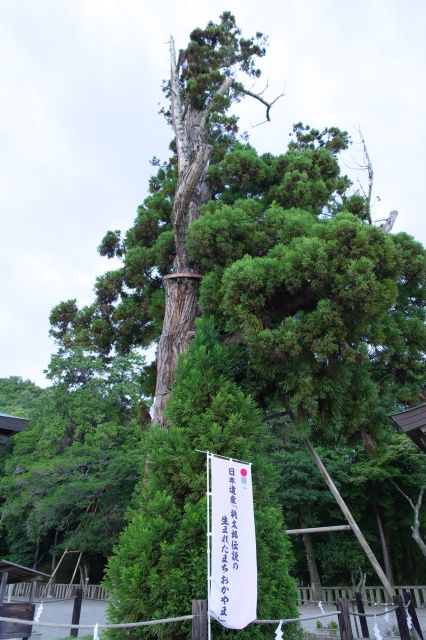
x,y
243,472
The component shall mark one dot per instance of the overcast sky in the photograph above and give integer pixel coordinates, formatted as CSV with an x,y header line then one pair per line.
x,y
80,91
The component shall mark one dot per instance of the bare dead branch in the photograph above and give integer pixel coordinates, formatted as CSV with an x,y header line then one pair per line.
x,y
258,96
260,93
370,173
175,103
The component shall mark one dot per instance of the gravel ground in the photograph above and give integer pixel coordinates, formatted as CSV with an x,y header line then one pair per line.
x,y
93,611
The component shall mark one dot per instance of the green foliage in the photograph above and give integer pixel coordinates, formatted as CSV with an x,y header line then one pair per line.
x,y
211,55
70,476
318,303
159,565
18,397
305,176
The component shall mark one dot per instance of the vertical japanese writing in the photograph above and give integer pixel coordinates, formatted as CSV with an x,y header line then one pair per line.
x,y
234,519
225,580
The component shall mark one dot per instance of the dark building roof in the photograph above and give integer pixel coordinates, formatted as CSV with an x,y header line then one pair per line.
x,y
9,425
413,422
18,573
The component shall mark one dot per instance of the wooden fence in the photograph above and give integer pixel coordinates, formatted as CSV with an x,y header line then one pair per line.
x,y
56,591
329,595
372,595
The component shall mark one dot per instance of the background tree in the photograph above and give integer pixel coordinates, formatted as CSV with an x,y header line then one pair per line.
x,y
366,483
70,476
18,397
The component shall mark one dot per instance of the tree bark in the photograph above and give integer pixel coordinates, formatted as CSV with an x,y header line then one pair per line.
x,y
385,546
312,567
178,325
181,287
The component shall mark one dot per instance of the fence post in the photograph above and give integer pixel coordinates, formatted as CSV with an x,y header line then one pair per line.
x,y
344,619
362,618
401,618
413,614
76,611
199,620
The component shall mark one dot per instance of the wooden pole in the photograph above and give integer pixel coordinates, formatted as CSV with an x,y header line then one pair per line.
x,y
199,620
362,618
401,618
357,531
3,584
73,575
344,619
52,577
337,527
76,611
413,614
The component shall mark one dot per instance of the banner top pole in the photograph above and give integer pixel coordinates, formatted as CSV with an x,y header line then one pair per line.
x,y
217,455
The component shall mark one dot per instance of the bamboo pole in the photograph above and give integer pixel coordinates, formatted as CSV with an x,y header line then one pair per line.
x,y
52,577
73,575
337,527
357,531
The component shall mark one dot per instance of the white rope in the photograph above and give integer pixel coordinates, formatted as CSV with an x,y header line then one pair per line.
x,y
129,625
383,613
373,615
123,625
288,620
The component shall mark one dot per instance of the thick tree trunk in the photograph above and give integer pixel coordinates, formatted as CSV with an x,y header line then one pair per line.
x,y
178,326
181,287
312,567
385,547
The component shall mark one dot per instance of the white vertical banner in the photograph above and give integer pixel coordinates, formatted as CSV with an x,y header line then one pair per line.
x,y
233,584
